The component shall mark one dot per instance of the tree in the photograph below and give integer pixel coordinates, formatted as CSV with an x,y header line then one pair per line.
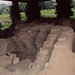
x,y
63,8
32,11
14,14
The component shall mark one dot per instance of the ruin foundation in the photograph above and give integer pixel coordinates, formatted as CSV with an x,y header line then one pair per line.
x,y
38,50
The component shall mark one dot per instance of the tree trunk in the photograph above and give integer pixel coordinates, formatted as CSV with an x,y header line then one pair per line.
x,y
15,13
32,11
63,8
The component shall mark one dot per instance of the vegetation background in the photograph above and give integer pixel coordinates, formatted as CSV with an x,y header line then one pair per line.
x,y
47,9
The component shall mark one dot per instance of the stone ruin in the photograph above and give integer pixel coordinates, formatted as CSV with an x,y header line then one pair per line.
x,y
38,50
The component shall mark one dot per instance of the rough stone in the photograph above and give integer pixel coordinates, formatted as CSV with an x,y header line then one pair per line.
x,y
11,55
67,31
5,60
41,37
55,28
59,60
15,60
53,37
24,64
29,40
3,46
12,46
43,51
48,46
62,61
20,45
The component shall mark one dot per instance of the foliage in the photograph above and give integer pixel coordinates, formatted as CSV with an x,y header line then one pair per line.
x,y
48,13
4,9
73,3
5,17
24,18
22,6
73,16
44,13
0,11
47,5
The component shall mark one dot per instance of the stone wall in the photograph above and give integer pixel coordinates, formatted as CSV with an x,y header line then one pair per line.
x,y
54,57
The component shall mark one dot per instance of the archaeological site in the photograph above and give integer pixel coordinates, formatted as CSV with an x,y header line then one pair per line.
x,y
38,47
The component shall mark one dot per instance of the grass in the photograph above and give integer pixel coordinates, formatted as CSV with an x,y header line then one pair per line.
x,y
48,13
44,13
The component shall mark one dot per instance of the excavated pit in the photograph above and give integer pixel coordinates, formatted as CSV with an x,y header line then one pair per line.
x,y
28,42
32,50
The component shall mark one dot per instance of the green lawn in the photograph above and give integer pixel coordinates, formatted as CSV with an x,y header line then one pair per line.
x,y
44,13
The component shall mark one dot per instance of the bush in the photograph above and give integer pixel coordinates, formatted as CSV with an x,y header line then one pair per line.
x,y
47,5
6,11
